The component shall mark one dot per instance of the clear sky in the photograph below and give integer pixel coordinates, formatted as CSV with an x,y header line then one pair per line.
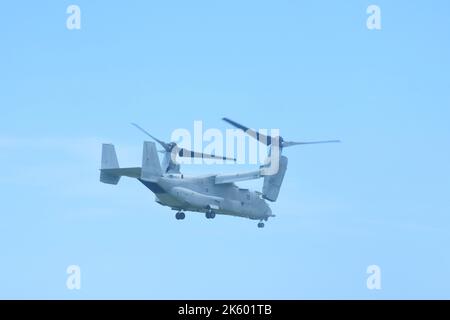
x,y
310,68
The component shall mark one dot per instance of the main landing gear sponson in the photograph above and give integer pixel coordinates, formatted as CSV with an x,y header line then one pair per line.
x,y
180,215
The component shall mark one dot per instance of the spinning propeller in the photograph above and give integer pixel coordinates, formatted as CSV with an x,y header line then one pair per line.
x,y
269,140
173,148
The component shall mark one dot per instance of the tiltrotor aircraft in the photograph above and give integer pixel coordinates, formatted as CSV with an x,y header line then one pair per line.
x,y
210,194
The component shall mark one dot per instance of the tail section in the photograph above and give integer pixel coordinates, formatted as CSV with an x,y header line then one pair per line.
x,y
109,157
110,172
151,168
109,161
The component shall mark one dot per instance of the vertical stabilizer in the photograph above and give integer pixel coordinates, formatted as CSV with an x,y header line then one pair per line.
x,y
151,168
109,161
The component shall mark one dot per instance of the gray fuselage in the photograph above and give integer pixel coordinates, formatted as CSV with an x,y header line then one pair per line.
x,y
201,194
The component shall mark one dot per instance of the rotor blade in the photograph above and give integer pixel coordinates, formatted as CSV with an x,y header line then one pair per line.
x,y
256,135
291,143
162,143
192,154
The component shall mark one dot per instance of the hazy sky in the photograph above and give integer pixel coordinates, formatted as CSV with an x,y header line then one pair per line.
x,y
311,69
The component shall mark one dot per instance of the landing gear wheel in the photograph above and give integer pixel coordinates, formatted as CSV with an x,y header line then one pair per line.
x,y
180,215
261,225
210,214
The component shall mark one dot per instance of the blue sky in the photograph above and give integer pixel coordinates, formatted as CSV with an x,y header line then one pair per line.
x,y
311,69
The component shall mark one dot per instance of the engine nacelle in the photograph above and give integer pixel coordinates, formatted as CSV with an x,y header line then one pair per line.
x,y
272,184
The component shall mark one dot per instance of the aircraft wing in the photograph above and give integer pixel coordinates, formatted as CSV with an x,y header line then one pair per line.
x,y
236,177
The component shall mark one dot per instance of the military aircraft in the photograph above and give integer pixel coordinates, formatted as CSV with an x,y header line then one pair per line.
x,y
209,194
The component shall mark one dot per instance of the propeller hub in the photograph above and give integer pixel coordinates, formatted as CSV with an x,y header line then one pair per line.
x,y
171,146
271,140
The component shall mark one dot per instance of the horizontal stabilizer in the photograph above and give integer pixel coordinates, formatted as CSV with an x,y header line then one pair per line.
x,y
110,172
123,172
